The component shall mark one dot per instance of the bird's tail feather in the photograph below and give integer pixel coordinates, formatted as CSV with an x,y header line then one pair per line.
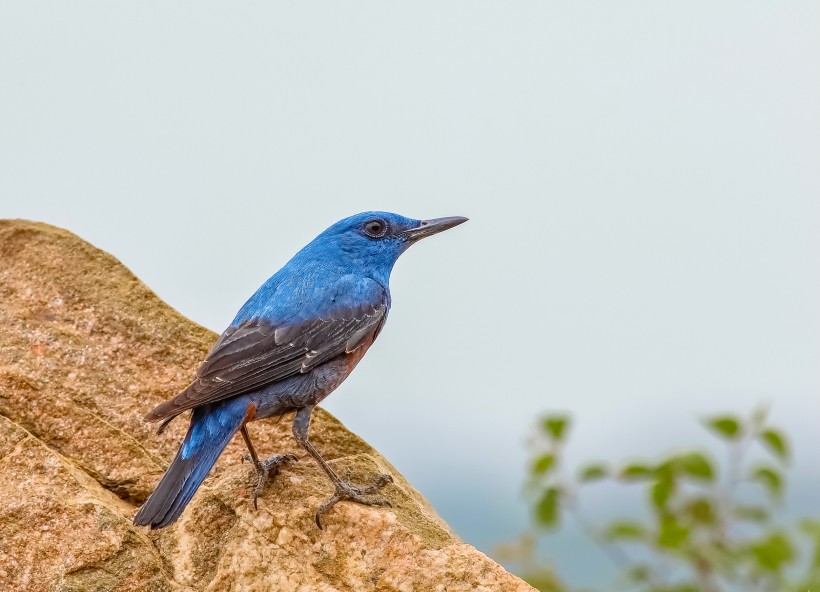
x,y
212,427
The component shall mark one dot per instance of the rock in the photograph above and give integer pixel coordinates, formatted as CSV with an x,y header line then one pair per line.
x,y
85,351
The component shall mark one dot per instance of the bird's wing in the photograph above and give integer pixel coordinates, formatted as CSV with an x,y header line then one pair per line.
x,y
257,352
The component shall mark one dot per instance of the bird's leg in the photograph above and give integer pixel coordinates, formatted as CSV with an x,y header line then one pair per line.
x,y
265,469
345,491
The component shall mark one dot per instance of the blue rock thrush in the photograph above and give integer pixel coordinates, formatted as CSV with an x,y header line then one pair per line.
x,y
296,339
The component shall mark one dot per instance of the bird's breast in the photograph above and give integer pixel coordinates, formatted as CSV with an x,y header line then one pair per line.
x,y
357,354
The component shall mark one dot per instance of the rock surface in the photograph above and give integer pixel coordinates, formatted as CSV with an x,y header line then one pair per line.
x,y
85,351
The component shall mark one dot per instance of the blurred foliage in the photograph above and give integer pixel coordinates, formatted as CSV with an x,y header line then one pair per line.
x,y
707,526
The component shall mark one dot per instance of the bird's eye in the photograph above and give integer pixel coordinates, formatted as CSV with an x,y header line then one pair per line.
x,y
375,228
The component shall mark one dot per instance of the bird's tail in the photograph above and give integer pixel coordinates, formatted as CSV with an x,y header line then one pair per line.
x,y
212,427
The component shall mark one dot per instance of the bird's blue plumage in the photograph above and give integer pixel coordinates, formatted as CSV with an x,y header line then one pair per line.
x,y
304,285
289,346
212,427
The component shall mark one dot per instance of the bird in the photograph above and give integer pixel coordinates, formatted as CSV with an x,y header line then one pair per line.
x,y
291,344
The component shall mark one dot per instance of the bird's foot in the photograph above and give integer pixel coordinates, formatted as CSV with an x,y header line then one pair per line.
x,y
266,470
346,492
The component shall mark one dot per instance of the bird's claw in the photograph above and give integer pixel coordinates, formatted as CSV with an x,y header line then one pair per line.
x,y
346,492
266,470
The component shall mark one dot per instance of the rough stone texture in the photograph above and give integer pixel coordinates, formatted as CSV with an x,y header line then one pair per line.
x,y
85,351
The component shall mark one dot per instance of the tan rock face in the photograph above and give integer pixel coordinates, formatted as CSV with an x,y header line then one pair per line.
x,y
85,351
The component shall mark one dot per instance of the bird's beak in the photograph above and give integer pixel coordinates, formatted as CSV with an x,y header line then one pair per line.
x,y
431,227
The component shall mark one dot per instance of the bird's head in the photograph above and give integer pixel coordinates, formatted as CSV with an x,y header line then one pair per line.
x,y
373,241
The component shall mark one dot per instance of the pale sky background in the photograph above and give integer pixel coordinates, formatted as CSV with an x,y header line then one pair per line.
x,y
642,180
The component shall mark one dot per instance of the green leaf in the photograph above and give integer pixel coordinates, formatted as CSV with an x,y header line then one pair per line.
x,y
770,478
776,442
751,513
624,529
543,579
810,584
546,511
639,573
543,464
695,464
661,491
725,426
556,426
700,510
773,552
636,472
759,415
672,534
812,529
592,472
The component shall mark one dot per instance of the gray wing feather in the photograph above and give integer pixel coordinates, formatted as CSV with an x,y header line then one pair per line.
x,y
257,353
